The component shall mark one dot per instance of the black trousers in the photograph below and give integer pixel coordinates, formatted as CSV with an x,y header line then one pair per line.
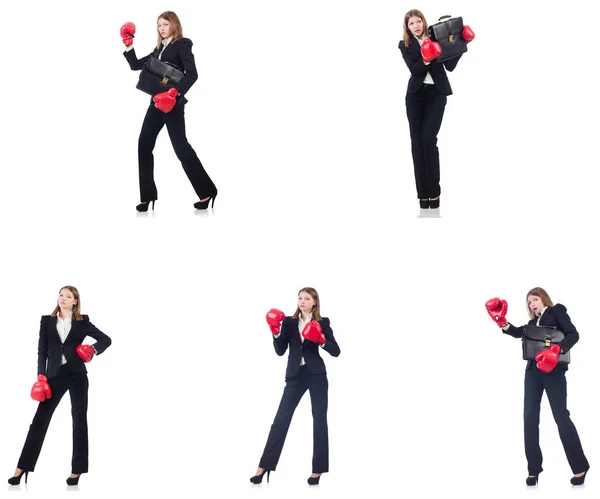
x,y
175,121
555,384
425,111
295,388
77,384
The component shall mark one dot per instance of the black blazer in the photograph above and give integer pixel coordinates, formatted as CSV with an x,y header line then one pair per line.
x,y
307,349
418,69
50,348
178,53
555,316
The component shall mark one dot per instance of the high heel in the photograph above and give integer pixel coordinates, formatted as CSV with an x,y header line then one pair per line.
x,y
203,205
424,204
73,481
313,480
532,480
578,480
434,203
16,480
256,479
144,206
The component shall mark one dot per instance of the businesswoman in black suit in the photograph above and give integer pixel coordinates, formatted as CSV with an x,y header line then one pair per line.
x,y
61,367
171,47
546,375
428,88
305,333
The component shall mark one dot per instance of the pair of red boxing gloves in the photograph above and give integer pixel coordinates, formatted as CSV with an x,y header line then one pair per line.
x,y
546,359
40,391
165,101
312,331
430,49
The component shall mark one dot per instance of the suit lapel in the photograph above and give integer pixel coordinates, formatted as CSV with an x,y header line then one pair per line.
x,y
73,327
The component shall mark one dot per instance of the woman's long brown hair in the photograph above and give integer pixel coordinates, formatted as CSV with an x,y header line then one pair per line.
x,y
174,24
316,311
75,311
408,36
540,293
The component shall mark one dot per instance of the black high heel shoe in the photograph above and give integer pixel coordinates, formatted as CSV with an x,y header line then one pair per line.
x,y
532,480
578,480
203,205
144,206
73,481
256,479
424,204
16,480
313,480
434,203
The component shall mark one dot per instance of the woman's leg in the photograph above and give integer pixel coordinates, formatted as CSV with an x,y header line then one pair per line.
x,y
41,421
78,390
153,123
201,182
415,108
556,388
534,389
294,389
432,122
318,387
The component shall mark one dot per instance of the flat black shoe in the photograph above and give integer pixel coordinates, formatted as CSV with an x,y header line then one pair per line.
x,y
434,203
532,480
313,480
73,481
144,206
424,204
203,205
576,480
16,480
258,478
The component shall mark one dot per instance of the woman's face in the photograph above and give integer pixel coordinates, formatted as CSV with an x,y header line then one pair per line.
x,y
164,28
535,304
66,299
415,25
306,302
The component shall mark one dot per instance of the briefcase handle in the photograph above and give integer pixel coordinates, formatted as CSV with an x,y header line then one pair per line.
x,y
444,17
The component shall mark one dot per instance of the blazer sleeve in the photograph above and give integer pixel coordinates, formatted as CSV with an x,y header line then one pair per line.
x,y
450,64
103,341
514,331
189,66
330,344
566,326
282,341
42,347
416,68
134,63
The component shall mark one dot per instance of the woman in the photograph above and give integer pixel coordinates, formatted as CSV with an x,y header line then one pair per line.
x,y
61,367
306,332
167,108
545,374
428,87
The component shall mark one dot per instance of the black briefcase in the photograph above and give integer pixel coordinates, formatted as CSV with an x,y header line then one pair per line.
x,y
538,338
158,76
448,33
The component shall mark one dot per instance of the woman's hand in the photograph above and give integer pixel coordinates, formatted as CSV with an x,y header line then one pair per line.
x,y
127,32
40,391
497,309
85,352
274,319
165,101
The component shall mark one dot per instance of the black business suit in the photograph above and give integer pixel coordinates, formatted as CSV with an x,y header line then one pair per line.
x,y
71,376
312,376
555,384
425,104
180,54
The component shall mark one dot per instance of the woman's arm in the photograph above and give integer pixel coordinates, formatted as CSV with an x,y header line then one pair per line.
x,y
514,331
189,66
566,326
42,347
103,341
417,67
134,63
330,344
281,341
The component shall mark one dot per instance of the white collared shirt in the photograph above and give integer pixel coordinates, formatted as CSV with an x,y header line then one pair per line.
x,y
165,42
63,327
540,316
428,79
301,324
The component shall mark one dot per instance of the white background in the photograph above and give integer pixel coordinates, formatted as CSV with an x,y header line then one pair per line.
x,y
299,118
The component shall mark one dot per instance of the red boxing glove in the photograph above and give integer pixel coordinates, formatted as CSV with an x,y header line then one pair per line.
x,y
497,309
274,319
467,34
40,391
165,101
85,352
430,50
313,332
547,359
127,32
